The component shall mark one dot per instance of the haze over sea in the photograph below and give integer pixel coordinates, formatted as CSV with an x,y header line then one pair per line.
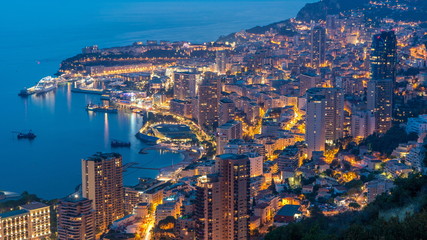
x,y
37,35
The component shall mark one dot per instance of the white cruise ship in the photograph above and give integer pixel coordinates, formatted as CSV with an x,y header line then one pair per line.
x,y
45,85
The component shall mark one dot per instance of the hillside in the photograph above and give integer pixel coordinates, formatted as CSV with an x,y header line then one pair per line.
x,y
399,215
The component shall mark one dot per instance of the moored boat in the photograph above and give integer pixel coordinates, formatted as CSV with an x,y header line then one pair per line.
x,y
116,144
104,109
30,135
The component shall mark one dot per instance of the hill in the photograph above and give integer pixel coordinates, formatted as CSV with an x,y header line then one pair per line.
x,y
399,215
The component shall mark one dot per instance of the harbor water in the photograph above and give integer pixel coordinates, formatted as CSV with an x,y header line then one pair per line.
x,y
37,35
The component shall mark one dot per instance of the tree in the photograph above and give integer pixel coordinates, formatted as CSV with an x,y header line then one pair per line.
x,y
272,187
354,205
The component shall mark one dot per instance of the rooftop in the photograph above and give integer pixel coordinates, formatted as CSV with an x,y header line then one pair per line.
x,y
289,210
13,213
33,205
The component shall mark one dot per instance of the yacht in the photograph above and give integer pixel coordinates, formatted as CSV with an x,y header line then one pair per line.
x,y
45,85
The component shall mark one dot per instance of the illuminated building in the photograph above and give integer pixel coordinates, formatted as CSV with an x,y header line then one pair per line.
x,y
227,110
380,103
181,107
31,221
221,62
362,123
315,124
383,75
325,117
185,85
318,46
226,132
222,205
307,81
102,182
207,101
76,219
384,56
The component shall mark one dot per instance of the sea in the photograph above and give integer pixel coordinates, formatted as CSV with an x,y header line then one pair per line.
x,y
35,36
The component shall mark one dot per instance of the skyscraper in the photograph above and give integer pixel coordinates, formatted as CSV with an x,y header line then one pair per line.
x,y
329,103
380,103
221,62
76,219
315,124
318,46
185,85
384,56
222,208
208,101
102,182
227,110
383,75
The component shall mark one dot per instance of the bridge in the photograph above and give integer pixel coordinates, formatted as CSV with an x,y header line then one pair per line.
x,y
133,165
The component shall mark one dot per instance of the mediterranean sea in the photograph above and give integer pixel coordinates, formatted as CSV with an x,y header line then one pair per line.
x,y
37,35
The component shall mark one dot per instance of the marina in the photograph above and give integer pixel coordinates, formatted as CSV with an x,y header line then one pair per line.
x,y
99,108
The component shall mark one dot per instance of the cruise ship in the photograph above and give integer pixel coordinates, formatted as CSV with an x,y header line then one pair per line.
x,y
45,85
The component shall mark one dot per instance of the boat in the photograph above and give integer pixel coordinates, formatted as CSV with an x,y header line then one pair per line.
x,y
30,135
88,90
116,144
45,85
98,108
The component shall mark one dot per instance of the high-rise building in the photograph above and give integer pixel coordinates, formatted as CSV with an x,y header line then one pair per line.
x,y
307,81
222,206
318,46
102,182
227,110
380,103
31,221
362,123
185,85
384,56
221,62
226,132
333,113
383,75
332,24
208,101
315,124
76,219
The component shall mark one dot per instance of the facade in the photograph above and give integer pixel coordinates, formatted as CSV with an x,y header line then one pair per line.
x,y
182,108
222,206
318,46
76,219
383,75
207,105
333,112
185,85
221,62
417,125
307,81
362,123
380,103
227,110
384,56
102,182
31,221
226,132
315,125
